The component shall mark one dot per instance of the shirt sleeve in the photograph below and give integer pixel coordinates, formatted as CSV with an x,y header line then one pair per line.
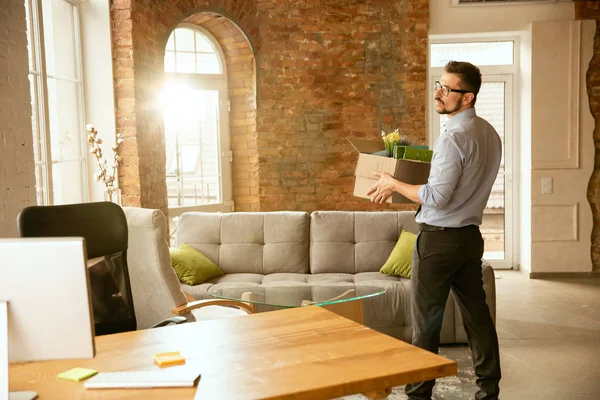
x,y
446,168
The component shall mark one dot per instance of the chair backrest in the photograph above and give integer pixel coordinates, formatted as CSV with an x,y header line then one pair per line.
x,y
104,228
156,288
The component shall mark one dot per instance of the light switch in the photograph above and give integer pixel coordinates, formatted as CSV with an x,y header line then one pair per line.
x,y
547,185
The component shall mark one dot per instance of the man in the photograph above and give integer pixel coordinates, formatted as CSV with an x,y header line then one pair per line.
x,y
449,247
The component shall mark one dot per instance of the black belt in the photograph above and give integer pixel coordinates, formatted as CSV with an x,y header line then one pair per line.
x,y
433,228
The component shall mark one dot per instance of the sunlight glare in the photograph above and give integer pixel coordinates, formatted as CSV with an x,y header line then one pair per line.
x,y
177,100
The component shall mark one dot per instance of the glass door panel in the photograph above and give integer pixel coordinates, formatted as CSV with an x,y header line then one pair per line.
x,y
191,120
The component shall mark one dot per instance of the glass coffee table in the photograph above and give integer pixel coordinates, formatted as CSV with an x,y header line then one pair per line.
x,y
343,300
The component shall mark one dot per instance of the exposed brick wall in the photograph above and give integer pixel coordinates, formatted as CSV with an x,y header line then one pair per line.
x,y
329,70
591,10
326,70
17,177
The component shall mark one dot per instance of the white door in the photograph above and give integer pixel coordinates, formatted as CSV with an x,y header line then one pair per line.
x,y
494,104
198,152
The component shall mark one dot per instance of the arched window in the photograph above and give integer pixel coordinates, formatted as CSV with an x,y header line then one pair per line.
x,y
196,119
189,51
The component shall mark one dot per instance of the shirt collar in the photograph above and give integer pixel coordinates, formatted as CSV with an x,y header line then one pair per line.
x,y
460,117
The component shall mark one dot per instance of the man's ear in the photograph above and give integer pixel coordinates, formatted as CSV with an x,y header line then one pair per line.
x,y
468,98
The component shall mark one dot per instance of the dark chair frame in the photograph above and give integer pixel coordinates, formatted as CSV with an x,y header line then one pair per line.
x,y
103,226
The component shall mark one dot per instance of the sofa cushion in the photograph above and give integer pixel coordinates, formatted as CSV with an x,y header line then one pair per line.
x,y
399,262
351,242
191,266
333,279
285,279
229,280
243,242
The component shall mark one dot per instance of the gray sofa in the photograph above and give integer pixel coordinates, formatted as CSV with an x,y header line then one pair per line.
x,y
321,248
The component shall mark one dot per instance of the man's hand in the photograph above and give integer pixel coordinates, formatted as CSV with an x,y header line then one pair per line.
x,y
383,189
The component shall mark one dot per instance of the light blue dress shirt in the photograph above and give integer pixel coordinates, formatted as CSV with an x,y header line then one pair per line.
x,y
465,163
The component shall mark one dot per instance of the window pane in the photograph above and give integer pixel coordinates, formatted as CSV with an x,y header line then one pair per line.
x,y
34,116
171,42
208,64
189,58
185,62
37,156
192,146
59,39
67,181
170,61
32,66
184,39
63,107
203,45
483,53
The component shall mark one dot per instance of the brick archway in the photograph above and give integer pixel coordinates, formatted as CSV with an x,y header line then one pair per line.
x,y
139,36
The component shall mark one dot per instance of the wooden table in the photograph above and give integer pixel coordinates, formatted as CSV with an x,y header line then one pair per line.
x,y
304,353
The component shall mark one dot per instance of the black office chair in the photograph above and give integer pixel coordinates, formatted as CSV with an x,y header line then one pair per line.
x,y
104,227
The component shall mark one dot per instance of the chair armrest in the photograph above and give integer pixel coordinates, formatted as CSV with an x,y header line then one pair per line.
x,y
172,320
184,308
188,297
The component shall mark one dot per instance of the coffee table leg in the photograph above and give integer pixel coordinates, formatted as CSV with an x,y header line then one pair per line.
x,y
248,297
352,310
379,394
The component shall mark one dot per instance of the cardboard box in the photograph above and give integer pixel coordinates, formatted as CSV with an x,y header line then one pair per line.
x,y
408,171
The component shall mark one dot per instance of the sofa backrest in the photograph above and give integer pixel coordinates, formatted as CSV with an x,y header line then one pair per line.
x,y
249,242
351,242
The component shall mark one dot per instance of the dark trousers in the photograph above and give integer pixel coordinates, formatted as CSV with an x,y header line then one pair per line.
x,y
445,260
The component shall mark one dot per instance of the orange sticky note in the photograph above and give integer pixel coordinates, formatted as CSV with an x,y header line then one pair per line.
x,y
168,359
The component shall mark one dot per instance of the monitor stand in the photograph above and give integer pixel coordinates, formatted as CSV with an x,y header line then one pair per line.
x,y
4,393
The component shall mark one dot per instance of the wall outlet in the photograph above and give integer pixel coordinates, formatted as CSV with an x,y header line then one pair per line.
x,y
547,185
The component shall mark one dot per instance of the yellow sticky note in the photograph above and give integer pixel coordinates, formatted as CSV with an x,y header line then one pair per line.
x,y
77,374
168,359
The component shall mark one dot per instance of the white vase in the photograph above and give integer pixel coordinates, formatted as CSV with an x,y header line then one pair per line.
x,y
115,198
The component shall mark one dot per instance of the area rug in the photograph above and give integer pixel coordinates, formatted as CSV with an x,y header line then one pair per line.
x,y
459,387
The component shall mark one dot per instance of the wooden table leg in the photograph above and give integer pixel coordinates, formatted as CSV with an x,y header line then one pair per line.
x,y
352,310
378,394
247,297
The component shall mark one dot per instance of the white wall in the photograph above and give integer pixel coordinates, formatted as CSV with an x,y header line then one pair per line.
x,y
98,84
445,19
562,146
451,20
17,174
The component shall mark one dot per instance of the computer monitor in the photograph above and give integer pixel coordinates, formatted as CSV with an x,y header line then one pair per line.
x,y
45,311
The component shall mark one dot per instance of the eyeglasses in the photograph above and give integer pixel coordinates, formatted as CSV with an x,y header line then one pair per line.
x,y
446,90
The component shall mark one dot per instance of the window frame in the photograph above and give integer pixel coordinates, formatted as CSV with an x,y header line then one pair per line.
x,y
219,82
41,114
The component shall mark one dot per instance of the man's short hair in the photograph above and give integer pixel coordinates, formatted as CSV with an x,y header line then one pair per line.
x,y
469,74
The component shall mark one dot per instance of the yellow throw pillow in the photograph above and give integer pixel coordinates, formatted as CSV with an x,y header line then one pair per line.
x,y
400,260
193,267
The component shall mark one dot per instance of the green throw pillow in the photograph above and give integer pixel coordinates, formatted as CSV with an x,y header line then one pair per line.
x,y
193,267
400,260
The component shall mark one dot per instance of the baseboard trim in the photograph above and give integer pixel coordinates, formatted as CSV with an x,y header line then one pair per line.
x,y
555,275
